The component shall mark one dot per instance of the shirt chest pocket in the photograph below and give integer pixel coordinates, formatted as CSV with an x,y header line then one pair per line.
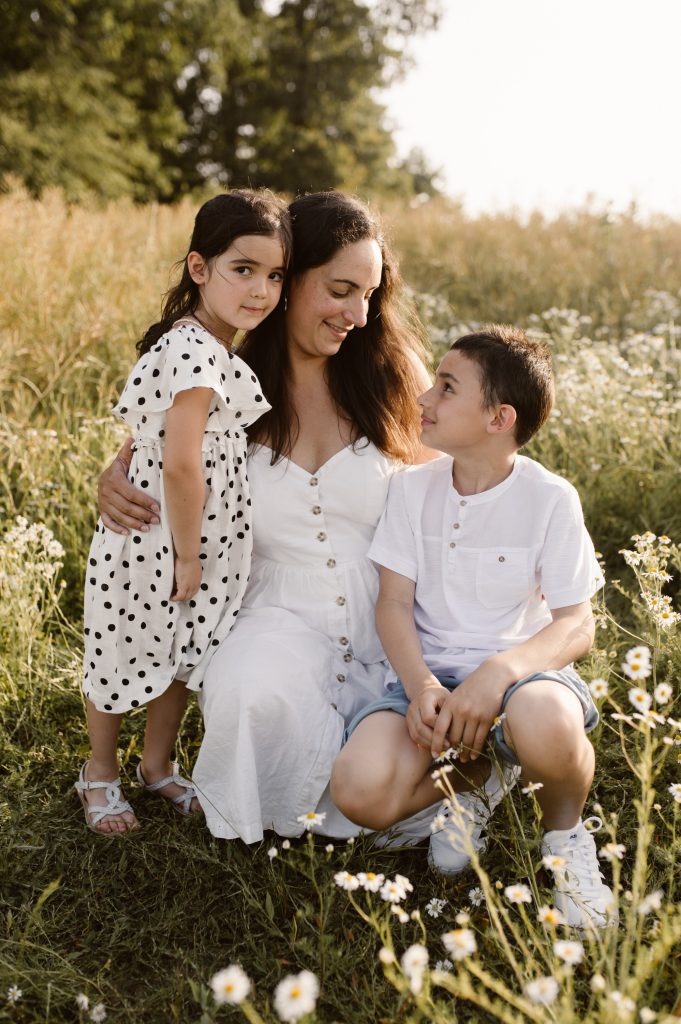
x,y
503,577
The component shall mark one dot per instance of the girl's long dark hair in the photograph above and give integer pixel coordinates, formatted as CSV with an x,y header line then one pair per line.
x,y
373,377
219,222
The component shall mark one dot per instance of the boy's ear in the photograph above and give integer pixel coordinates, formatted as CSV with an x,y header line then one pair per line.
x,y
197,267
503,421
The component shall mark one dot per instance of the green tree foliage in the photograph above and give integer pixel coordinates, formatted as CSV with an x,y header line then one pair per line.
x,y
153,98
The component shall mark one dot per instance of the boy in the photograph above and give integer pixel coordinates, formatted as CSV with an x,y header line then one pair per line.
x,y
487,572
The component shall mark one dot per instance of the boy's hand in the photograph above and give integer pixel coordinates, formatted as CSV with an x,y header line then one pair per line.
x,y
467,714
187,579
423,712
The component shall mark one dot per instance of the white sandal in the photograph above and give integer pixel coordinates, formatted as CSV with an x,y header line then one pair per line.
x,y
115,804
182,803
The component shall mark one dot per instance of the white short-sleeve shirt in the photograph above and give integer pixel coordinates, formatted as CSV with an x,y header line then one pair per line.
x,y
488,567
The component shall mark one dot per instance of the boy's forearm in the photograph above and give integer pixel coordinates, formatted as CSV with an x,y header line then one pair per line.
x,y
397,630
557,645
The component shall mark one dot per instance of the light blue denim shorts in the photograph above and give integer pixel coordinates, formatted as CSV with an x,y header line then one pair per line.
x,y
395,699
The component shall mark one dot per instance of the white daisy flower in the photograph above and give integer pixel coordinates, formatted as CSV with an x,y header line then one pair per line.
x,y
370,881
624,1004
551,917
463,918
450,754
542,990
636,669
598,983
98,1013
386,956
296,995
663,693
459,943
414,962
518,894
435,906
598,688
311,820
612,851
569,952
392,892
272,852
404,882
675,790
476,896
82,1001
639,698
532,787
286,845
329,848
651,902
14,994
346,881
230,986
646,1015
401,915
553,862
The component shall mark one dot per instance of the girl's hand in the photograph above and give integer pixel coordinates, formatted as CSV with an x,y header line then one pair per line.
x,y
121,506
187,578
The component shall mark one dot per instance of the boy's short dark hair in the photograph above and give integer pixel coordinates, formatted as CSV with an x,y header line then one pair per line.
x,y
514,370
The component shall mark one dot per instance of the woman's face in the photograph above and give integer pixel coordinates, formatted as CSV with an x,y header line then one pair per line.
x,y
325,303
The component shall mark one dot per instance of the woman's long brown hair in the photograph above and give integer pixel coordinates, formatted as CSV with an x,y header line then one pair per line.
x,y
373,377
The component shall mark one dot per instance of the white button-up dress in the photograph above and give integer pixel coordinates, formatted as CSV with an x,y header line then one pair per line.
x,y
303,655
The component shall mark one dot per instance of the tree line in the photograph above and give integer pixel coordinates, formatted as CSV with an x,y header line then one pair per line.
x,y
157,98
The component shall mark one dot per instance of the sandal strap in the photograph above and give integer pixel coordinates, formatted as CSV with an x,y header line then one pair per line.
x,y
182,800
114,801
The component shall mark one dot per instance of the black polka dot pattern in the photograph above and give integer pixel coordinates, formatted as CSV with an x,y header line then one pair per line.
x,y
137,640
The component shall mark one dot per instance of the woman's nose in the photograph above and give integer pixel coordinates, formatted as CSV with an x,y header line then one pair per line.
x,y
356,312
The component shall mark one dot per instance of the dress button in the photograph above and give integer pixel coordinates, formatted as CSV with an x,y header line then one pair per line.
x,y
501,558
347,657
331,564
452,544
344,641
340,677
462,503
313,481
321,536
316,509
456,526
340,600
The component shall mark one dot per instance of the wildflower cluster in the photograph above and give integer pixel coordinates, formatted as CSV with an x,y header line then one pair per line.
x,y
649,559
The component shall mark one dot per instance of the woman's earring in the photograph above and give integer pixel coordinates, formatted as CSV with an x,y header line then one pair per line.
x,y
285,303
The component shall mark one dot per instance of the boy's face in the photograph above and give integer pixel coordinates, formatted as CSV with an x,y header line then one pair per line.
x,y
453,416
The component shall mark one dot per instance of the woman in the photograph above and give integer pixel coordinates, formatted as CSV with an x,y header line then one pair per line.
x,y
341,363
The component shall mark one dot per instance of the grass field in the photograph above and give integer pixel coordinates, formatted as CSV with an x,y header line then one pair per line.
x,y
141,923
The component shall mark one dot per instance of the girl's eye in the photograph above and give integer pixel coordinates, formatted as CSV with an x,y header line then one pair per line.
x,y
276,275
244,271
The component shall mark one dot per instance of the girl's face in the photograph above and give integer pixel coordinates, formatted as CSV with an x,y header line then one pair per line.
x,y
241,286
325,303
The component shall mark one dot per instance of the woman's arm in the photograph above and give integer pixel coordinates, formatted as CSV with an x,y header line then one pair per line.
x,y
121,506
184,486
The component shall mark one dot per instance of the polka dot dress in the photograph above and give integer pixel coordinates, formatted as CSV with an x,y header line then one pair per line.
x,y
137,640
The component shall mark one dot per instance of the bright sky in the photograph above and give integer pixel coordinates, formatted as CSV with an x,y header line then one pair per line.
x,y
537,103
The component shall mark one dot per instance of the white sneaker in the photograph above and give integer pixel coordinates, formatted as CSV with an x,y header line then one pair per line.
x,y
453,837
580,894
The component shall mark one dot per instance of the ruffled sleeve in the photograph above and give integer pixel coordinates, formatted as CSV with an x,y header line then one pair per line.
x,y
189,357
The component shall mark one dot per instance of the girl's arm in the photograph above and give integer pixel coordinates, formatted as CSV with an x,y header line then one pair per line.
x,y
121,506
184,486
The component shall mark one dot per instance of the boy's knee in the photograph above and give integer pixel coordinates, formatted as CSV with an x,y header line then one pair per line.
x,y
545,716
360,792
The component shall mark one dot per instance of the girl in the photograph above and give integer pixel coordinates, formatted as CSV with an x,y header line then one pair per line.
x,y
158,603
